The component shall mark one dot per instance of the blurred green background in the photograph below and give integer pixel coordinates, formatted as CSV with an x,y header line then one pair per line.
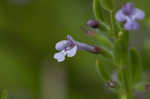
x,y
29,30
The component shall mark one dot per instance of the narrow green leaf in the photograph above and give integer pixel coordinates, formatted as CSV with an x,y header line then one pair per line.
x,y
4,94
98,10
105,68
135,66
104,41
102,71
101,15
107,5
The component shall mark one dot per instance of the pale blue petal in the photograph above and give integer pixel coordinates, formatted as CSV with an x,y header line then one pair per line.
x,y
72,52
61,45
70,38
131,25
60,56
139,14
128,8
120,16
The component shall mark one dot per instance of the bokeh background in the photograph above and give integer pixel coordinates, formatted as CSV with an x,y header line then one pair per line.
x,y
29,30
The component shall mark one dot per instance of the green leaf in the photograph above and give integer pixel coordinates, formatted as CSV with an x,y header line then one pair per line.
x,y
4,94
121,49
135,66
101,15
107,5
98,11
104,41
105,68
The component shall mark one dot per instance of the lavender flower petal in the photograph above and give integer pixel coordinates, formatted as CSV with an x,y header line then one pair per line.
x,y
61,45
128,8
70,38
139,14
131,25
72,52
60,56
120,16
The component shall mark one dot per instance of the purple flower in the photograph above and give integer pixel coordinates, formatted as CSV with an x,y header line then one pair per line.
x,y
70,47
128,14
66,48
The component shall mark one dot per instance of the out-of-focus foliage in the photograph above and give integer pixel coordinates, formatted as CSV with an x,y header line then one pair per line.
x,y
29,30
4,94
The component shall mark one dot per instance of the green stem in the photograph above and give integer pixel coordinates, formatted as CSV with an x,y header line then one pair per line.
x,y
124,66
122,96
112,22
126,85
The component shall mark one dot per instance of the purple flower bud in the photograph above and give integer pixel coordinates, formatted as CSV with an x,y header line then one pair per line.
x,y
93,23
129,15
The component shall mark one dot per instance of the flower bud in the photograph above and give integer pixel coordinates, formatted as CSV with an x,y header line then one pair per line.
x,y
147,87
111,84
93,24
97,50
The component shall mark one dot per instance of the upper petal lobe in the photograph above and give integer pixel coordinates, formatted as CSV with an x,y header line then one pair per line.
x,y
61,45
